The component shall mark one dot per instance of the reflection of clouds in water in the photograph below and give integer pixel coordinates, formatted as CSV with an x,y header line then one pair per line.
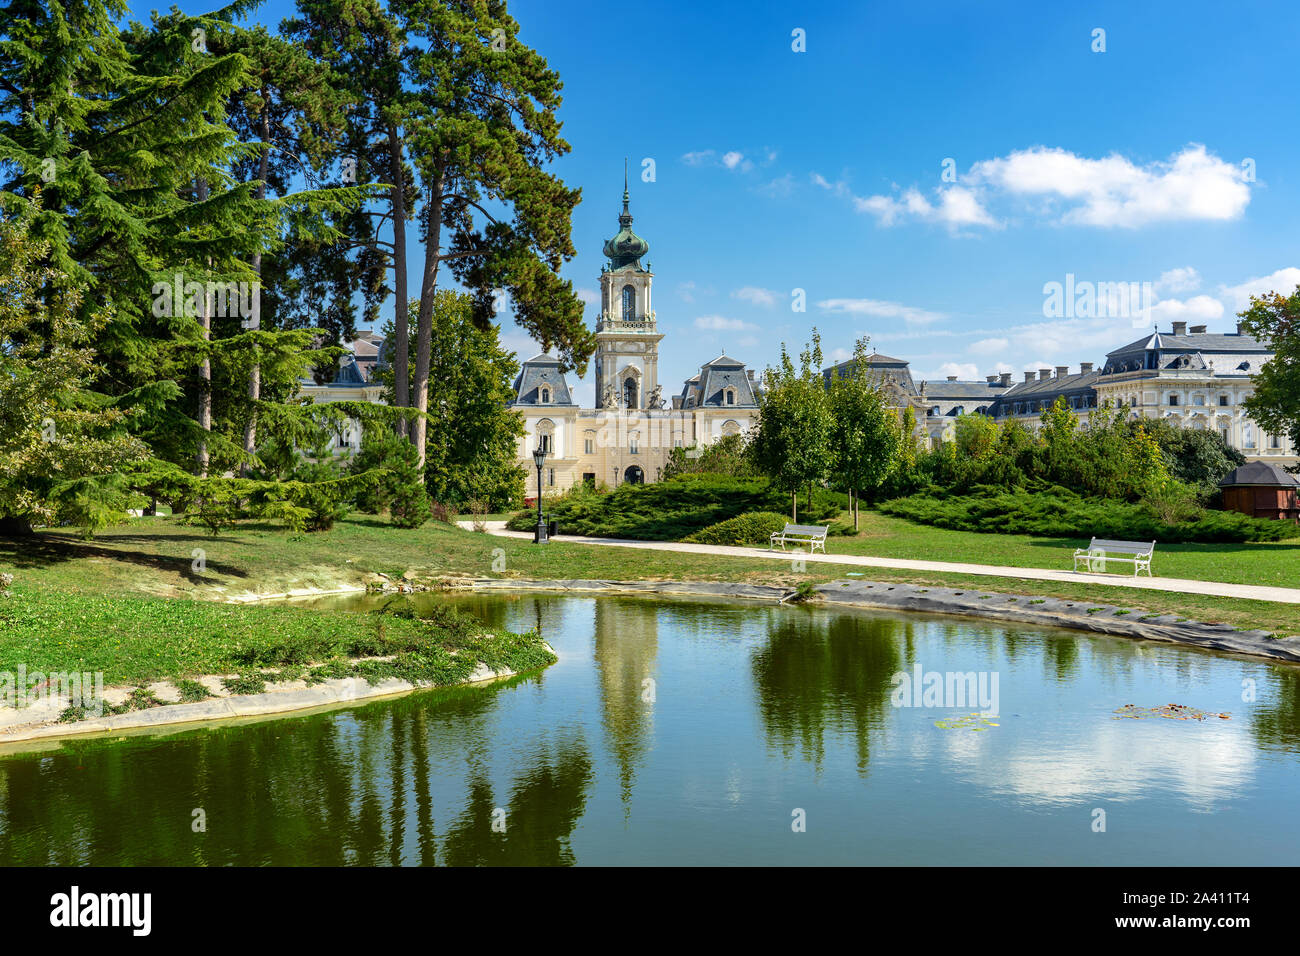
x,y
1117,761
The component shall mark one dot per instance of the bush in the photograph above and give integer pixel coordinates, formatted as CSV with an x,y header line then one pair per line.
x,y
754,527
399,489
1059,513
669,510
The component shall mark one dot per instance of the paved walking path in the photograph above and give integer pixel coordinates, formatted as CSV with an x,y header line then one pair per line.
x,y
1254,592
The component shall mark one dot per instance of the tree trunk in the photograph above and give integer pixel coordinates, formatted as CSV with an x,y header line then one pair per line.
x,y
255,373
794,507
401,309
205,367
856,499
424,321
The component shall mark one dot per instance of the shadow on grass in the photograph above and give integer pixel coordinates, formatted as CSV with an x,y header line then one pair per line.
x,y
37,551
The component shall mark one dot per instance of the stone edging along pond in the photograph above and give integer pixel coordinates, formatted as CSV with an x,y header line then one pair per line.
x,y
292,696
988,605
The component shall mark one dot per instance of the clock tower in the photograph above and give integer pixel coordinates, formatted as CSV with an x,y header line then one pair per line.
x,y
627,343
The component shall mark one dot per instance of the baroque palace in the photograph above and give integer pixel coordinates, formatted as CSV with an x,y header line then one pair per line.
x,y
629,434
1191,377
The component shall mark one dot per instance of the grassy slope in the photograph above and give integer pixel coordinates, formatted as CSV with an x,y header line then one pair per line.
x,y
99,605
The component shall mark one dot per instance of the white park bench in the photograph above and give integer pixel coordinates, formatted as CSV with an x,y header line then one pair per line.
x,y
811,535
1096,554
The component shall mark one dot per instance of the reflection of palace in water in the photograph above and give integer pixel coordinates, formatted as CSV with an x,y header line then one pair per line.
x,y
626,658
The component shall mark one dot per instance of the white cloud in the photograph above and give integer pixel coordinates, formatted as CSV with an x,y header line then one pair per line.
x,y
1112,192
963,370
1197,308
836,356
720,323
687,291
732,159
880,310
780,187
589,296
1283,281
1184,279
954,206
736,160
1115,192
993,346
756,296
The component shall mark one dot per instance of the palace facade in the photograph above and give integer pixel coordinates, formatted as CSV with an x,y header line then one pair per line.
x,y
633,428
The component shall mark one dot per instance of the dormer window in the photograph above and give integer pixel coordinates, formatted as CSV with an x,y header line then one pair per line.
x,y
546,396
731,396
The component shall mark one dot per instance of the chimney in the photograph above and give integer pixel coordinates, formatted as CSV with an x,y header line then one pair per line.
x,y
1198,329
1044,374
1239,328
750,373
991,379
1062,371
1029,376
1006,379
1085,368
952,378
1180,328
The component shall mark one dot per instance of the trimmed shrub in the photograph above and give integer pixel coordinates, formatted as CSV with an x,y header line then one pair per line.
x,y
669,510
754,527
1059,513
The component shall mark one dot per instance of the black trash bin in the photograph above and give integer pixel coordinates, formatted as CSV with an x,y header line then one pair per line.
x,y
552,528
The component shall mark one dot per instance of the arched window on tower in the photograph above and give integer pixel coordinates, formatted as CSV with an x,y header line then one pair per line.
x,y
629,303
629,392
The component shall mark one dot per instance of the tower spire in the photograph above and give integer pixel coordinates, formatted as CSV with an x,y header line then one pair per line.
x,y
625,195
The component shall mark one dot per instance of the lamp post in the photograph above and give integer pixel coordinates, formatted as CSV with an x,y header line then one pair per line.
x,y
539,456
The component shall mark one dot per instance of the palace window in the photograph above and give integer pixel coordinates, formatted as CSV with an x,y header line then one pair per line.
x,y
1223,401
588,446
546,396
545,435
629,391
629,303
632,444
1247,435
1173,401
731,396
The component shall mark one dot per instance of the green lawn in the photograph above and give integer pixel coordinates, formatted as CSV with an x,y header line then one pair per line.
x,y
879,535
79,602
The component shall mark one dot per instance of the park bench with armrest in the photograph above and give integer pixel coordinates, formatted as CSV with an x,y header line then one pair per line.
x,y
811,535
1096,554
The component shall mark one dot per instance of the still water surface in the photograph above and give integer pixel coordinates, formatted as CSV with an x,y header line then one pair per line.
x,y
691,732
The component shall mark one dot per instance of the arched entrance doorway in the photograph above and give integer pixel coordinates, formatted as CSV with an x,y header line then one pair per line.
x,y
634,474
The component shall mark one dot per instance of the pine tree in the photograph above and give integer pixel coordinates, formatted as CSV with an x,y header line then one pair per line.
x,y
62,445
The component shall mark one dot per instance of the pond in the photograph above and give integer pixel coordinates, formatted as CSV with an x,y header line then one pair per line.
x,y
690,732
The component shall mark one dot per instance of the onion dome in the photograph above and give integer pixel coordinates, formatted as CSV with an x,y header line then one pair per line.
x,y
626,248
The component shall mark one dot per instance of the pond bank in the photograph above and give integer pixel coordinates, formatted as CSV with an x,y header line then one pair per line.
x,y
988,605
43,721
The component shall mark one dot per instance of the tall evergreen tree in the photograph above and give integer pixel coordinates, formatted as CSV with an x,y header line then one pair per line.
x,y
458,104
62,445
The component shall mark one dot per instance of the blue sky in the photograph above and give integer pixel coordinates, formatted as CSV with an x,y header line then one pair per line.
x,y
1170,158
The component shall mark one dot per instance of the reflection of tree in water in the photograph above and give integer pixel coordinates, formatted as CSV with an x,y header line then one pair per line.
x,y
1275,720
827,673
626,652
332,789
545,805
